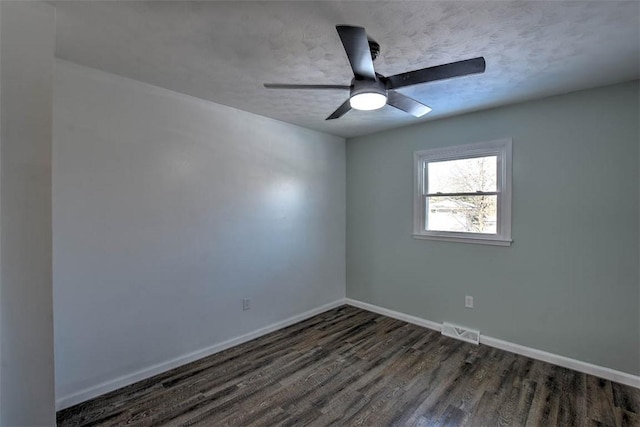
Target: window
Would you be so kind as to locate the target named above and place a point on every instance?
(463, 193)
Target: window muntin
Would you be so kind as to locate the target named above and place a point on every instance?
(463, 193)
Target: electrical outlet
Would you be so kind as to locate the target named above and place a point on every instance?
(246, 304)
(468, 301)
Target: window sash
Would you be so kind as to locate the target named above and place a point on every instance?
(425, 169)
(449, 159)
(425, 216)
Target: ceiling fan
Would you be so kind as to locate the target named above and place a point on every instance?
(370, 90)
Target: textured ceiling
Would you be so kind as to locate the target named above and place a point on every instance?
(224, 51)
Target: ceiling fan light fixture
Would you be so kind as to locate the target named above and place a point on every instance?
(368, 101)
(368, 95)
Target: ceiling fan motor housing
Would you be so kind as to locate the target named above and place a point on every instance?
(368, 86)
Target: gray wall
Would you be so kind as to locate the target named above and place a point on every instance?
(168, 211)
(26, 58)
(569, 283)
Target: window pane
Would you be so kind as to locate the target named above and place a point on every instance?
(470, 214)
(463, 175)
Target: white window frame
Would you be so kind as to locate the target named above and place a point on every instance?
(501, 148)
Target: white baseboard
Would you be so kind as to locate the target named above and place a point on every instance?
(556, 359)
(395, 314)
(565, 362)
(107, 386)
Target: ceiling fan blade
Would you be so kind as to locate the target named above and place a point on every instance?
(294, 86)
(356, 44)
(439, 72)
(341, 111)
(406, 104)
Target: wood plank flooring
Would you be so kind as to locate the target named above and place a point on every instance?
(350, 367)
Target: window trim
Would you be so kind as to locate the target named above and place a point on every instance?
(502, 148)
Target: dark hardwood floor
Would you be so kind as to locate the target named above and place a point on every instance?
(350, 367)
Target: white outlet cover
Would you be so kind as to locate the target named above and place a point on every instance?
(468, 301)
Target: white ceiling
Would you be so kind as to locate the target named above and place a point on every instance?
(224, 51)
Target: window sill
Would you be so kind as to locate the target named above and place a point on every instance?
(474, 240)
